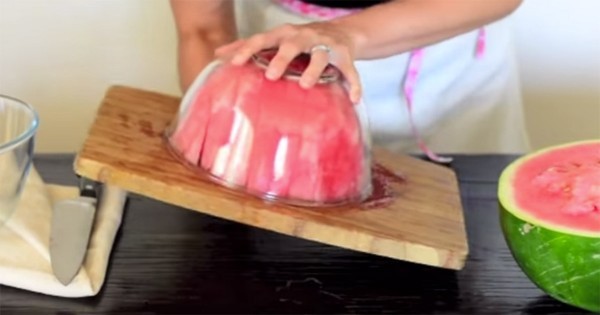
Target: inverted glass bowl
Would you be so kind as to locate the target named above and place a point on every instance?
(18, 126)
(275, 139)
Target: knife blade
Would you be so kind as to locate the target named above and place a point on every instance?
(72, 222)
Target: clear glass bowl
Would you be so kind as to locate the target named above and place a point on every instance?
(275, 139)
(18, 126)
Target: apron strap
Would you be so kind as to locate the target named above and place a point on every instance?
(410, 83)
(414, 63)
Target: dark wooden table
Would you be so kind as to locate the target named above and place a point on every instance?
(169, 260)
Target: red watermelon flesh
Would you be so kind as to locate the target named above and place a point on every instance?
(276, 150)
(216, 149)
(319, 125)
(275, 137)
(286, 159)
(567, 182)
(189, 134)
(235, 164)
(217, 144)
(188, 137)
(342, 162)
(261, 174)
(331, 155)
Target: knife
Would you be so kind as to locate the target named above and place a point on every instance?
(72, 222)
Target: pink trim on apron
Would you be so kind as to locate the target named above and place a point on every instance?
(414, 63)
(312, 10)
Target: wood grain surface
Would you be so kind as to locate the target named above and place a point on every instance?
(423, 224)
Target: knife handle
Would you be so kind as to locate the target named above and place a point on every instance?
(88, 187)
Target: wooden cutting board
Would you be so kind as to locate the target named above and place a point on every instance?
(420, 221)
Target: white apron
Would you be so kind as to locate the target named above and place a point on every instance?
(461, 104)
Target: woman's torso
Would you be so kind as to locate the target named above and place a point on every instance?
(461, 103)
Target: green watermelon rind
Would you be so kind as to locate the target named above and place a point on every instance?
(506, 198)
(566, 267)
(561, 261)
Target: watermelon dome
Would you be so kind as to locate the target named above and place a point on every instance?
(272, 138)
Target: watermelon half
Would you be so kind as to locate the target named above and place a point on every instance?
(274, 139)
(550, 216)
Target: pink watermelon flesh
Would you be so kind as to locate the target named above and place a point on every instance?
(274, 137)
(190, 131)
(217, 144)
(243, 132)
(566, 187)
(331, 155)
(262, 159)
(277, 154)
(188, 137)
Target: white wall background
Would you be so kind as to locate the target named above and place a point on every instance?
(61, 55)
(558, 42)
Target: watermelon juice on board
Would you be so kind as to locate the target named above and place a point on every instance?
(550, 216)
(275, 139)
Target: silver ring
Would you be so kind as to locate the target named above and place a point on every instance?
(320, 47)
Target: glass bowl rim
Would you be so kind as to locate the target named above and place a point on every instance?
(28, 133)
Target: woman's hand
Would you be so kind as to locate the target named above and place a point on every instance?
(293, 40)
